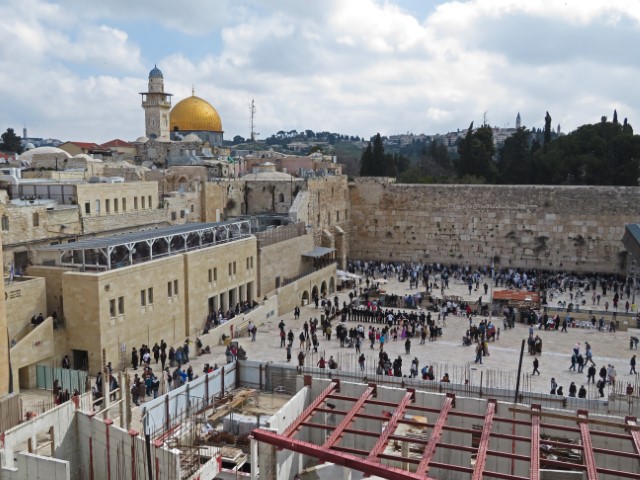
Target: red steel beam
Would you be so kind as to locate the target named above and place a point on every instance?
(635, 434)
(309, 411)
(481, 458)
(534, 466)
(349, 417)
(436, 434)
(344, 459)
(589, 457)
(391, 427)
(618, 473)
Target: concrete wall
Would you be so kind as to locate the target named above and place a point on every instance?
(105, 452)
(59, 420)
(34, 466)
(284, 464)
(25, 297)
(572, 228)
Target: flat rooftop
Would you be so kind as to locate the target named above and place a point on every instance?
(127, 249)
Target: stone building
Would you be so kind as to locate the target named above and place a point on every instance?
(186, 134)
(142, 287)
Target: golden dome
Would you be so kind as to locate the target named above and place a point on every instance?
(194, 114)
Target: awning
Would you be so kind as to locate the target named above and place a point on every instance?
(318, 252)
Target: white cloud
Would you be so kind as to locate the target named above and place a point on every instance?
(355, 67)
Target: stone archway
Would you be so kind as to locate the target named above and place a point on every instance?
(332, 285)
(314, 292)
(323, 288)
(305, 298)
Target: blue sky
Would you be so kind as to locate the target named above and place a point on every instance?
(72, 70)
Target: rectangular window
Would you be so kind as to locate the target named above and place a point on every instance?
(174, 216)
(120, 305)
(192, 208)
(97, 207)
(230, 269)
(135, 203)
(36, 219)
(251, 262)
(5, 223)
(107, 206)
(142, 203)
(329, 218)
(175, 287)
(150, 202)
(169, 289)
(87, 208)
(150, 296)
(247, 263)
(234, 268)
(215, 274)
(143, 298)
(182, 214)
(210, 275)
(124, 204)
(115, 205)
(337, 215)
(112, 307)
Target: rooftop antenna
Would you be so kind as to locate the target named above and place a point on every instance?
(254, 134)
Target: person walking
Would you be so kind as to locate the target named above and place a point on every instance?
(479, 353)
(536, 364)
(591, 374)
(632, 362)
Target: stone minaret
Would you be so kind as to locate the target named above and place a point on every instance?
(518, 121)
(156, 104)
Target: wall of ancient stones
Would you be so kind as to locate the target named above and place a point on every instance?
(568, 228)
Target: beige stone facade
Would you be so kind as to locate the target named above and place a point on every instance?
(4, 344)
(25, 297)
(565, 228)
(168, 299)
(280, 257)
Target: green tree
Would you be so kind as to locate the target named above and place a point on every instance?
(547, 130)
(366, 162)
(11, 142)
(605, 153)
(476, 152)
(378, 158)
(515, 162)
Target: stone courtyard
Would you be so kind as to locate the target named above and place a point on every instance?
(448, 354)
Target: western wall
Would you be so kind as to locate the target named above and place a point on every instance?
(554, 227)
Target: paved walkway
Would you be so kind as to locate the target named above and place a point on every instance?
(499, 367)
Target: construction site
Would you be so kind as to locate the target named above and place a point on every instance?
(257, 420)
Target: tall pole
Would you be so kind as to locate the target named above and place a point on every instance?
(515, 399)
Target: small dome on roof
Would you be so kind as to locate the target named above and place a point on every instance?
(141, 140)
(28, 155)
(155, 73)
(29, 146)
(192, 137)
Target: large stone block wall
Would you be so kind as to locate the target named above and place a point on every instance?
(569, 228)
